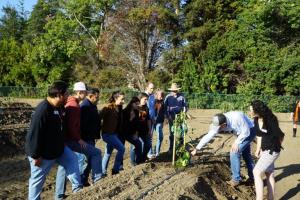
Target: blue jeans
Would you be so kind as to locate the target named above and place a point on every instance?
(160, 137)
(146, 146)
(150, 152)
(112, 142)
(38, 174)
(90, 152)
(86, 163)
(245, 151)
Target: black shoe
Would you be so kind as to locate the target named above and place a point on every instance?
(249, 182)
(114, 172)
(86, 184)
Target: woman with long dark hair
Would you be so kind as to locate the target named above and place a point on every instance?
(130, 124)
(269, 138)
(111, 128)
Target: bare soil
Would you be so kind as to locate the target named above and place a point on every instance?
(204, 178)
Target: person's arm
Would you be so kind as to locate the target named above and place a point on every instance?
(206, 139)
(258, 146)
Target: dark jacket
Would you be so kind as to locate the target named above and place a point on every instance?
(111, 119)
(90, 123)
(144, 118)
(45, 136)
(130, 123)
(159, 111)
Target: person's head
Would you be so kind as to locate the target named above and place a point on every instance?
(117, 98)
(93, 95)
(174, 89)
(159, 94)
(58, 92)
(258, 108)
(133, 104)
(150, 88)
(143, 97)
(80, 90)
(219, 121)
(261, 110)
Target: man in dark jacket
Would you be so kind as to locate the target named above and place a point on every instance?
(90, 126)
(45, 141)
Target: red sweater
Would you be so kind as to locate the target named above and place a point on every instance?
(72, 119)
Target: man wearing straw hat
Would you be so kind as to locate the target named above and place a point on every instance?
(174, 104)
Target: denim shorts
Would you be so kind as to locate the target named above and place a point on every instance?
(266, 161)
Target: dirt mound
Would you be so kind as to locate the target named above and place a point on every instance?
(159, 180)
(14, 120)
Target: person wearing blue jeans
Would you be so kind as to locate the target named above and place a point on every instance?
(151, 108)
(112, 142)
(74, 140)
(144, 125)
(90, 126)
(44, 144)
(88, 151)
(38, 174)
(130, 125)
(112, 117)
(245, 152)
(239, 124)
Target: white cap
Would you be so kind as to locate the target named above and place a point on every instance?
(217, 121)
(79, 86)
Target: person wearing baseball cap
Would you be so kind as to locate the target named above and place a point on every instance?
(74, 141)
(239, 124)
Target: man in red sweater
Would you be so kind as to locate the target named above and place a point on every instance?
(74, 142)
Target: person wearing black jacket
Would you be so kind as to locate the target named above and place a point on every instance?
(45, 141)
(269, 139)
(130, 123)
(90, 125)
(144, 125)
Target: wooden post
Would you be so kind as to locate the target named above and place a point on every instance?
(174, 140)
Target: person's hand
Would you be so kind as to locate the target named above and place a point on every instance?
(82, 143)
(234, 148)
(257, 153)
(194, 152)
(38, 162)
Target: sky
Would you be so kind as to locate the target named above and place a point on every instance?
(28, 4)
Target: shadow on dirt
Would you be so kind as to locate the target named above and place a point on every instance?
(289, 170)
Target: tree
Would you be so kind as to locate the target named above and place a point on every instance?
(11, 24)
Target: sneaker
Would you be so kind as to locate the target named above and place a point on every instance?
(233, 183)
(150, 156)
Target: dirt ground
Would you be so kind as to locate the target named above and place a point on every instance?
(157, 179)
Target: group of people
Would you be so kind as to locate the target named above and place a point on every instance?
(65, 127)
